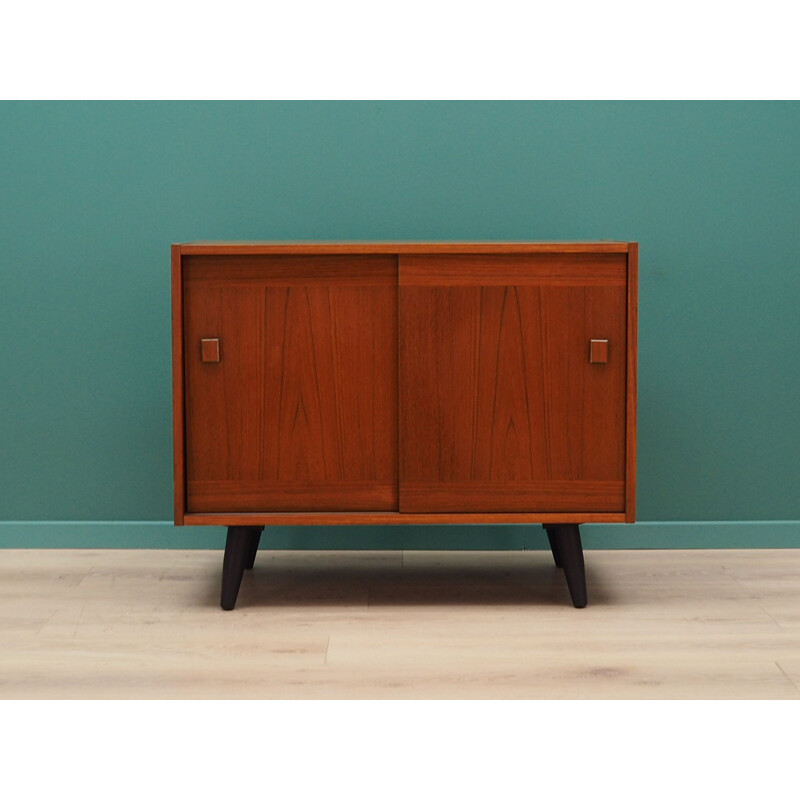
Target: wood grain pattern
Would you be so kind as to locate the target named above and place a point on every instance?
(301, 412)
(310, 495)
(514, 269)
(291, 270)
(178, 444)
(496, 388)
(630, 401)
(554, 495)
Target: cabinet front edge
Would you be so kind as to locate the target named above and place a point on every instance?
(394, 518)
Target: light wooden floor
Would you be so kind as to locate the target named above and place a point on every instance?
(146, 624)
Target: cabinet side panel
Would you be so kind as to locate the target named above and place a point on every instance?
(632, 323)
(178, 453)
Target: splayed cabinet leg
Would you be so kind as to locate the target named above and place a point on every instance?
(255, 539)
(239, 549)
(565, 544)
(570, 553)
(552, 537)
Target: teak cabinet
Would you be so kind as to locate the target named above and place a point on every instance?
(372, 383)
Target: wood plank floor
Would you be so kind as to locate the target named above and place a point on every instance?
(146, 624)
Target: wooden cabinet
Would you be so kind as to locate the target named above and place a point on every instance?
(404, 383)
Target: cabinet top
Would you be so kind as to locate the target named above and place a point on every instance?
(389, 248)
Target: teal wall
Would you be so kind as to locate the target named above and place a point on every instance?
(92, 195)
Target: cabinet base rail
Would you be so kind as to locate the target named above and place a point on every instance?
(242, 543)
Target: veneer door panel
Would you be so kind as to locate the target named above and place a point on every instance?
(501, 408)
(300, 411)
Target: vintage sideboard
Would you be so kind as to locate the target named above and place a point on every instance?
(378, 383)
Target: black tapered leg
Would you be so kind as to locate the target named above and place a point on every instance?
(255, 539)
(552, 537)
(570, 551)
(237, 552)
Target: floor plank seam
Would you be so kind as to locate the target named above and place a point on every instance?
(788, 678)
(732, 577)
(773, 619)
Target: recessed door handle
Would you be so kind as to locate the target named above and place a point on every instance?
(209, 350)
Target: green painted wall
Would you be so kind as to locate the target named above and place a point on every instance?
(92, 195)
